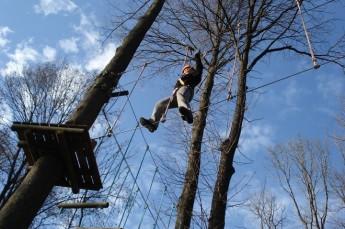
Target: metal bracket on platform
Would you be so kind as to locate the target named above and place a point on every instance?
(119, 93)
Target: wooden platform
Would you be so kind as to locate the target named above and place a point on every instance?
(71, 142)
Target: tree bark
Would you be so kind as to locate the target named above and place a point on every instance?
(24, 204)
(226, 170)
(100, 92)
(228, 149)
(187, 198)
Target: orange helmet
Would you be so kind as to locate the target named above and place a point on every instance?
(186, 67)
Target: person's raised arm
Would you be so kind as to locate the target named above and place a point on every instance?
(199, 67)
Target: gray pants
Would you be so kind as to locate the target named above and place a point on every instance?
(181, 99)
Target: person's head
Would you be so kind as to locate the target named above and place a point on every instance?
(187, 69)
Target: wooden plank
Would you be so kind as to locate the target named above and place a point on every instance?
(92, 161)
(80, 156)
(66, 154)
(49, 128)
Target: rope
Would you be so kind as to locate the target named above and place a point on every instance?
(147, 196)
(160, 206)
(314, 60)
(109, 132)
(121, 187)
(151, 153)
(170, 215)
(146, 142)
(125, 153)
(130, 209)
(136, 178)
(130, 93)
(135, 181)
(234, 67)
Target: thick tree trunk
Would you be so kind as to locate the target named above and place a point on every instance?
(229, 145)
(99, 93)
(24, 204)
(228, 148)
(186, 201)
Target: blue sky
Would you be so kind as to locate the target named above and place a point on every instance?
(34, 31)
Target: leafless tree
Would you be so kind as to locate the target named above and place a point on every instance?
(265, 206)
(303, 169)
(42, 93)
(11, 165)
(339, 180)
(269, 27)
(338, 170)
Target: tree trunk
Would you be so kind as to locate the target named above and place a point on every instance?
(24, 204)
(186, 201)
(228, 148)
(99, 93)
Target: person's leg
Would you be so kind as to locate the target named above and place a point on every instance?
(158, 110)
(184, 95)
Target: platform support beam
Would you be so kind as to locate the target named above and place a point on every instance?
(119, 93)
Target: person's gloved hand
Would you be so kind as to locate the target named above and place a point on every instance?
(197, 55)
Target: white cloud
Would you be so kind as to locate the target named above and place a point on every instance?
(69, 45)
(290, 93)
(49, 53)
(89, 34)
(47, 7)
(256, 137)
(19, 58)
(102, 58)
(330, 86)
(3, 33)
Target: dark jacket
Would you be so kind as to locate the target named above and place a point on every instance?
(194, 78)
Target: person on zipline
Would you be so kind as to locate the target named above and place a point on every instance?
(182, 95)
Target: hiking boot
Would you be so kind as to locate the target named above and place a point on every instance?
(186, 114)
(148, 124)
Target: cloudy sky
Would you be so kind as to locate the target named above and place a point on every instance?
(46, 30)
(34, 31)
